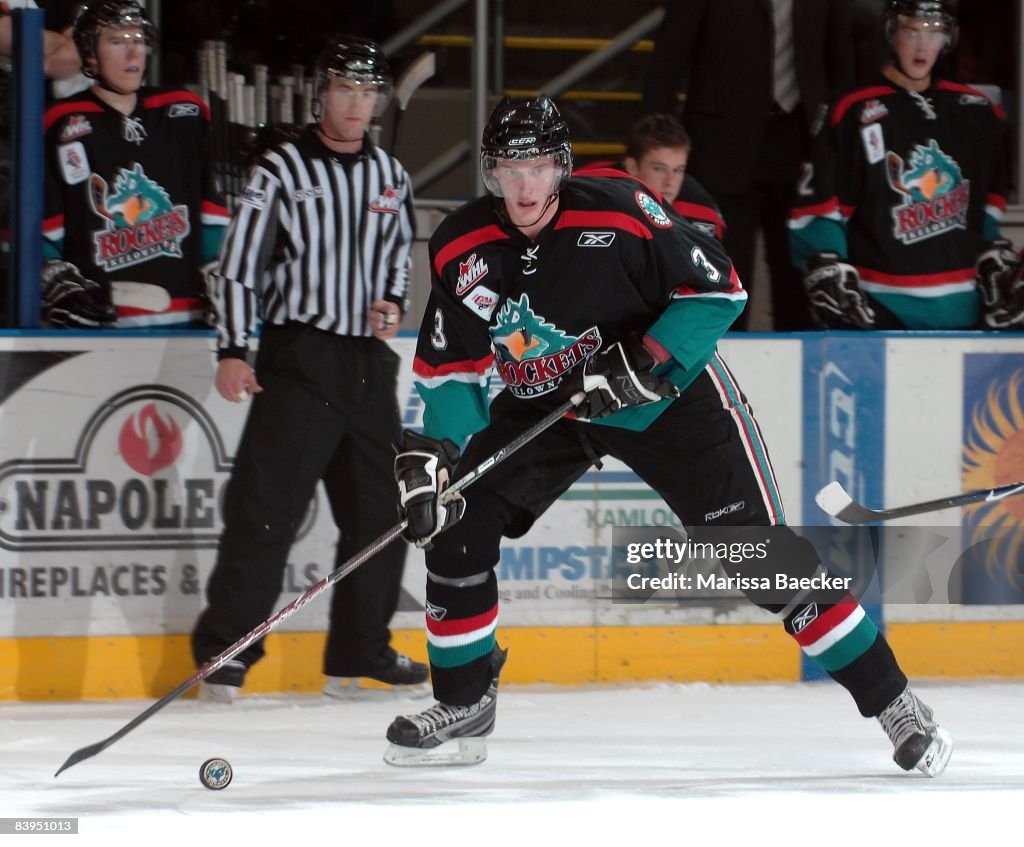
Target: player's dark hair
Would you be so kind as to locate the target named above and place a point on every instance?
(105, 13)
(654, 131)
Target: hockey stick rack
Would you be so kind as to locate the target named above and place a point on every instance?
(340, 573)
(835, 501)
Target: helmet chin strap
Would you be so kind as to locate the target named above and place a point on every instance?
(503, 213)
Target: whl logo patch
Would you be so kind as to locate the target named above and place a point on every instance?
(935, 195)
(533, 355)
(142, 223)
(470, 273)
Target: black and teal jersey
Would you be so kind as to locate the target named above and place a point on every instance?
(613, 261)
(907, 187)
(132, 198)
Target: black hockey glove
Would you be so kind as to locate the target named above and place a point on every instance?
(423, 470)
(620, 377)
(1000, 285)
(834, 295)
(72, 301)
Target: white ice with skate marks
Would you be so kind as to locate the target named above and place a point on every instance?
(756, 764)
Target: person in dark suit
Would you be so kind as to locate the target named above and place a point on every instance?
(748, 147)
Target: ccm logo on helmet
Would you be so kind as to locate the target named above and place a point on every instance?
(519, 142)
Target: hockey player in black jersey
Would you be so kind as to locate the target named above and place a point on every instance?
(657, 151)
(131, 207)
(591, 285)
(898, 223)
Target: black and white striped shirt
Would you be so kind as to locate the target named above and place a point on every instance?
(317, 237)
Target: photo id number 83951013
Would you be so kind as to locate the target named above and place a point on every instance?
(53, 826)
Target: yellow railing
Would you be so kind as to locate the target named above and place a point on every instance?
(518, 42)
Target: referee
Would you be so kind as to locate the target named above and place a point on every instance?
(319, 249)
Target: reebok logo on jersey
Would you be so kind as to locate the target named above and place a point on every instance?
(808, 615)
(183, 110)
(74, 162)
(725, 510)
(652, 210)
(482, 301)
(76, 127)
(595, 239)
(254, 197)
(470, 273)
(389, 202)
(974, 100)
(305, 194)
(873, 111)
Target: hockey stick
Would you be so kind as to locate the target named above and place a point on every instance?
(422, 69)
(834, 500)
(340, 573)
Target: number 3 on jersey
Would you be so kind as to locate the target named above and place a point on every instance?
(700, 261)
(437, 337)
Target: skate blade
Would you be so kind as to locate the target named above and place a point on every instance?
(470, 751)
(353, 691)
(936, 757)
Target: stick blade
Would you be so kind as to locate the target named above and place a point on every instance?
(81, 755)
(834, 500)
(422, 69)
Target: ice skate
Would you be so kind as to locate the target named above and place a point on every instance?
(223, 685)
(404, 677)
(919, 742)
(414, 738)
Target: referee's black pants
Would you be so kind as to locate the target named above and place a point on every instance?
(328, 412)
(704, 455)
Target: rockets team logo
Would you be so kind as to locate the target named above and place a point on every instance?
(935, 196)
(533, 355)
(142, 223)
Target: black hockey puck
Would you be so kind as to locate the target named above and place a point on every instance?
(216, 774)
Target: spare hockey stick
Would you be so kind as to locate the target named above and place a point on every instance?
(422, 69)
(340, 573)
(834, 500)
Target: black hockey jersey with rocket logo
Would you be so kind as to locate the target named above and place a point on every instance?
(613, 261)
(133, 198)
(908, 186)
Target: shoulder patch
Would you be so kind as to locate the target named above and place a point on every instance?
(652, 210)
(74, 162)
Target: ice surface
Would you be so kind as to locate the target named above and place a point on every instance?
(759, 764)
